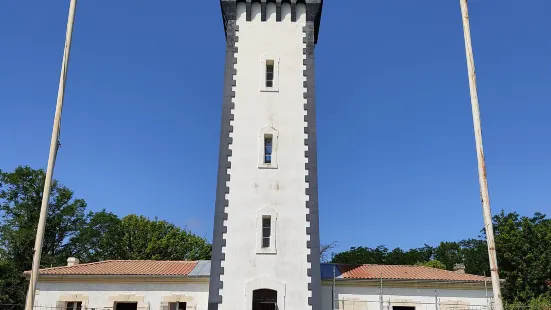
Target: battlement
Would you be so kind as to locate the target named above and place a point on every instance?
(313, 10)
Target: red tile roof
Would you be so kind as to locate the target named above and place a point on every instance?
(401, 272)
(184, 268)
(125, 267)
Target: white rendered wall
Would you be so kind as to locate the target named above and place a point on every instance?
(364, 298)
(354, 297)
(99, 294)
(253, 188)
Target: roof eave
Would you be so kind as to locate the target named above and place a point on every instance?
(376, 282)
(118, 275)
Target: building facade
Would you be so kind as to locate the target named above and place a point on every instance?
(177, 285)
(266, 232)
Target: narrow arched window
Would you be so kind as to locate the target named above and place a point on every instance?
(269, 73)
(268, 144)
(269, 80)
(267, 147)
(266, 232)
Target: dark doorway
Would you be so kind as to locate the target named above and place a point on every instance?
(73, 305)
(177, 306)
(402, 308)
(264, 299)
(126, 306)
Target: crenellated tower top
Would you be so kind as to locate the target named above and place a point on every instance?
(313, 10)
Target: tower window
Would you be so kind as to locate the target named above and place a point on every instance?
(267, 149)
(268, 144)
(269, 73)
(266, 234)
(266, 231)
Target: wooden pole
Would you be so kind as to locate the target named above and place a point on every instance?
(480, 156)
(381, 304)
(51, 160)
(334, 292)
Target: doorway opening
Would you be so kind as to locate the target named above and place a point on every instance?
(177, 306)
(126, 306)
(402, 308)
(264, 299)
(73, 305)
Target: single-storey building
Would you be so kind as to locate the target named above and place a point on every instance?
(182, 285)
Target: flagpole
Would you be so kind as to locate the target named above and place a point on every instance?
(54, 144)
(480, 156)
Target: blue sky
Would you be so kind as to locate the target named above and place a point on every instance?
(397, 162)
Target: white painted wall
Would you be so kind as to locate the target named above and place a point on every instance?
(350, 297)
(49, 293)
(363, 298)
(253, 188)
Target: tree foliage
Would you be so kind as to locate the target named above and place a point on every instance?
(524, 254)
(10, 283)
(70, 231)
(474, 254)
(145, 239)
(98, 238)
(382, 255)
(432, 264)
(20, 201)
(542, 302)
(105, 236)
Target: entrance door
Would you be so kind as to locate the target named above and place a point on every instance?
(264, 299)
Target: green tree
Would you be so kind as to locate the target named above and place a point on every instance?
(20, 201)
(542, 302)
(475, 256)
(423, 254)
(142, 238)
(381, 255)
(105, 236)
(449, 253)
(362, 255)
(10, 283)
(97, 239)
(524, 254)
(432, 264)
(396, 257)
(72, 232)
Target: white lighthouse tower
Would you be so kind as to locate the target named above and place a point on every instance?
(265, 252)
